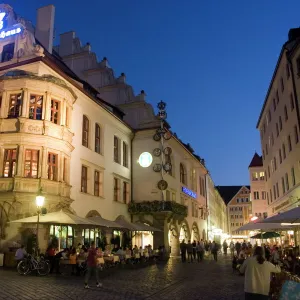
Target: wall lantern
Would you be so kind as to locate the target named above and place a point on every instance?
(145, 159)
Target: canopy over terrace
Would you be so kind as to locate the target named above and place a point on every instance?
(106, 223)
(59, 217)
(135, 226)
(290, 217)
(263, 226)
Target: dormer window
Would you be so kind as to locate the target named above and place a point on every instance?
(8, 52)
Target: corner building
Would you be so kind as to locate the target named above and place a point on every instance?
(278, 124)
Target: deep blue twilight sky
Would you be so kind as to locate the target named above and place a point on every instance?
(211, 61)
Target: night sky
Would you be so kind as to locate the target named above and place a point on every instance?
(211, 61)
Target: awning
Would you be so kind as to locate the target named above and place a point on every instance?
(59, 217)
(135, 226)
(262, 226)
(291, 216)
(105, 223)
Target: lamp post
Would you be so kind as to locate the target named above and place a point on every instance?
(39, 200)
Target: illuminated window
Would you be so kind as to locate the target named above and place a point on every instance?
(85, 131)
(31, 163)
(254, 176)
(55, 112)
(15, 102)
(84, 179)
(35, 107)
(262, 175)
(256, 195)
(52, 166)
(10, 158)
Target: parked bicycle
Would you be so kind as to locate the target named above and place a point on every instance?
(28, 264)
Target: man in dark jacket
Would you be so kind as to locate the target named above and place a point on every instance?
(189, 248)
(183, 251)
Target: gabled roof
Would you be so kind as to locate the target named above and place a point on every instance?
(256, 161)
(227, 192)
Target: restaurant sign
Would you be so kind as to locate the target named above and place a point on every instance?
(8, 32)
(189, 192)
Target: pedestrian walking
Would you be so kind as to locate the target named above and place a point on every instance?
(183, 251)
(257, 275)
(214, 250)
(200, 250)
(194, 249)
(231, 246)
(225, 246)
(189, 247)
(238, 247)
(92, 266)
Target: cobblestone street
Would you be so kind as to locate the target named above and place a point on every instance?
(174, 280)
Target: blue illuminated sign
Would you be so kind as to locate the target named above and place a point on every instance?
(6, 33)
(10, 32)
(189, 192)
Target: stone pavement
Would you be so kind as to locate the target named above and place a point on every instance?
(173, 280)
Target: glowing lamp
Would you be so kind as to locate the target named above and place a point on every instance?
(254, 218)
(145, 159)
(39, 200)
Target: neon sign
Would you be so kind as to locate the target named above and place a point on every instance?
(6, 33)
(189, 192)
(2, 15)
(10, 32)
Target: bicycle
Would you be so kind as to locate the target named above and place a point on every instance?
(28, 264)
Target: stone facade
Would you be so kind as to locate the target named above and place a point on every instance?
(279, 130)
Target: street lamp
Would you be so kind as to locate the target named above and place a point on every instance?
(39, 200)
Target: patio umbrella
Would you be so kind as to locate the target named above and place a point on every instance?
(105, 223)
(145, 227)
(257, 225)
(265, 235)
(59, 217)
(291, 216)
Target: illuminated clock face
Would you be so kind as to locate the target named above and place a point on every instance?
(145, 159)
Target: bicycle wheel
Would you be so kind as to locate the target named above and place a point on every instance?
(43, 268)
(23, 267)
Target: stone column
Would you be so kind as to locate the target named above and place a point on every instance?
(43, 170)
(63, 112)
(4, 106)
(25, 104)
(47, 107)
(20, 161)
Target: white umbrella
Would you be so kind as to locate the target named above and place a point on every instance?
(145, 227)
(59, 217)
(105, 223)
(262, 226)
(290, 217)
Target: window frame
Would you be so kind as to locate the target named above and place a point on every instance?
(12, 162)
(54, 110)
(116, 189)
(116, 149)
(31, 162)
(125, 154)
(84, 179)
(52, 172)
(36, 106)
(183, 174)
(17, 107)
(85, 131)
(126, 191)
(97, 138)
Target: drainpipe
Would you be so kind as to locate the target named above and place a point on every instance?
(294, 89)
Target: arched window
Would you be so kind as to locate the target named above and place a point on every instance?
(182, 174)
(85, 131)
(97, 138)
(168, 159)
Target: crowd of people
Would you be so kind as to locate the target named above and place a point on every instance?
(195, 251)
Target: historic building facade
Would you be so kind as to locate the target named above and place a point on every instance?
(239, 208)
(258, 187)
(279, 130)
(77, 134)
(57, 137)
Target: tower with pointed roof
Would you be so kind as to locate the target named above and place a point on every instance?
(258, 187)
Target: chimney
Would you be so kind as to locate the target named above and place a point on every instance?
(44, 31)
(294, 33)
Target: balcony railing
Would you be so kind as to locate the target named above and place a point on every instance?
(151, 207)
